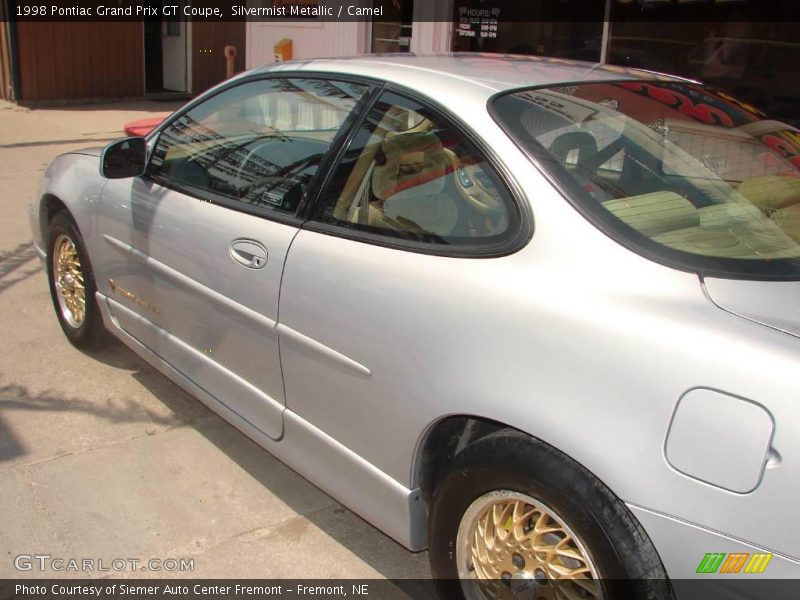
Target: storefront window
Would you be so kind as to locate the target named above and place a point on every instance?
(561, 28)
(391, 32)
(747, 48)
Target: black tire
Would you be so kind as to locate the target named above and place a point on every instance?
(89, 332)
(626, 561)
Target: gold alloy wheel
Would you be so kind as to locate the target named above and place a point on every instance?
(68, 279)
(522, 549)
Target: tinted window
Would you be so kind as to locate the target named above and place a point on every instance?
(410, 174)
(677, 169)
(258, 144)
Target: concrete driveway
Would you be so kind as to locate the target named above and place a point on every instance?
(103, 458)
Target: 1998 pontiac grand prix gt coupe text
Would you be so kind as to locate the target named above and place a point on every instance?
(538, 316)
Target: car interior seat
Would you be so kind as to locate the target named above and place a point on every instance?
(411, 187)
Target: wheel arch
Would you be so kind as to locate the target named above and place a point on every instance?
(441, 442)
(445, 438)
(72, 184)
(49, 206)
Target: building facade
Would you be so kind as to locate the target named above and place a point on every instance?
(42, 62)
(748, 47)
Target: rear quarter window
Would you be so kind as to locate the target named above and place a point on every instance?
(680, 172)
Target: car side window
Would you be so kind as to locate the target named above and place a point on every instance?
(410, 174)
(258, 144)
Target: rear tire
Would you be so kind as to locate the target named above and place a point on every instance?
(72, 284)
(514, 512)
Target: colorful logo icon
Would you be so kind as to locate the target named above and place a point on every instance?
(737, 562)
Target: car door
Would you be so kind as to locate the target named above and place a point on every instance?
(382, 287)
(195, 249)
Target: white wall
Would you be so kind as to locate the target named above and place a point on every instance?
(431, 36)
(432, 33)
(433, 26)
(309, 40)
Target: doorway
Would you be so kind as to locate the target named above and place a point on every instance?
(166, 42)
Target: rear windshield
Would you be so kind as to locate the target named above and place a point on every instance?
(684, 174)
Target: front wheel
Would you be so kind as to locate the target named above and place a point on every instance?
(72, 285)
(515, 518)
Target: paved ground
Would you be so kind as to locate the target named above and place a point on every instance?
(101, 457)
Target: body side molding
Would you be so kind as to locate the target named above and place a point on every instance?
(322, 349)
(190, 283)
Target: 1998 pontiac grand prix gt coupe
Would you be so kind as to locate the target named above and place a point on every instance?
(535, 315)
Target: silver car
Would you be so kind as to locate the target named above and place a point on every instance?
(537, 316)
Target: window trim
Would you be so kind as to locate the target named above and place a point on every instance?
(520, 229)
(310, 201)
(634, 242)
(297, 218)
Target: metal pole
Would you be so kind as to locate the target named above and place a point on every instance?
(230, 58)
(15, 93)
(604, 42)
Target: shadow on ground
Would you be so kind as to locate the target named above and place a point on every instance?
(17, 397)
(18, 264)
(365, 542)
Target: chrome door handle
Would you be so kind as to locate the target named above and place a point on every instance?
(248, 253)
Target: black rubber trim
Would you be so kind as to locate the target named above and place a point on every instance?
(376, 239)
(335, 153)
(204, 195)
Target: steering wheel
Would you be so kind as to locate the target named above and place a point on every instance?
(481, 195)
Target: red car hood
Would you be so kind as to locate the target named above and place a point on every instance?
(143, 126)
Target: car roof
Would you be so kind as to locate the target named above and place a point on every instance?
(468, 71)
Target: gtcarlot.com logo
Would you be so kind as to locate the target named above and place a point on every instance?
(46, 562)
(737, 562)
